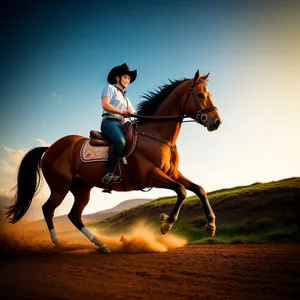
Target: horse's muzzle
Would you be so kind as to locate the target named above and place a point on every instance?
(211, 126)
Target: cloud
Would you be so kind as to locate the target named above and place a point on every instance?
(56, 95)
(9, 165)
(13, 156)
(42, 143)
(7, 168)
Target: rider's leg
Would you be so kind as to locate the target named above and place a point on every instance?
(112, 129)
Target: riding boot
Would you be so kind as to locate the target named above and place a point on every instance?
(113, 159)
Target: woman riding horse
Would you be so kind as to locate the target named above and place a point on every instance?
(154, 161)
(116, 107)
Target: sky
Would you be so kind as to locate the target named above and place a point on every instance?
(55, 57)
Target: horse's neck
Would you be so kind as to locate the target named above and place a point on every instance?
(167, 130)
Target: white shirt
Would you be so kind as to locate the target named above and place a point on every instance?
(117, 99)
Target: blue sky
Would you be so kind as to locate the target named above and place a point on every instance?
(56, 56)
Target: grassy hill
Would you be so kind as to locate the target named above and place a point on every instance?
(63, 224)
(127, 204)
(260, 212)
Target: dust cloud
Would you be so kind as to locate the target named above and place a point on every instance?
(26, 239)
(143, 238)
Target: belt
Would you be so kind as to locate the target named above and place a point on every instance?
(111, 118)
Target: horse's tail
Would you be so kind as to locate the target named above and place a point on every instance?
(28, 184)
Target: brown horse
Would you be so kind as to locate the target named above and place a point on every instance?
(154, 162)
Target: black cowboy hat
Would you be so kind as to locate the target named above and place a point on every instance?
(120, 70)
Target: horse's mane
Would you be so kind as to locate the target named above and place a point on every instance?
(154, 99)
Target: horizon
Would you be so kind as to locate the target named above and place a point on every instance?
(56, 58)
(34, 219)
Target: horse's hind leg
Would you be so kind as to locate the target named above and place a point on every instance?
(161, 180)
(81, 192)
(58, 193)
(210, 227)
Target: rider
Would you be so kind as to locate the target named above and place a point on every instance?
(116, 106)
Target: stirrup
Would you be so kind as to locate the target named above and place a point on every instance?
(111, 178)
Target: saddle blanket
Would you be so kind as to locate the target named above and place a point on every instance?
(90, 153)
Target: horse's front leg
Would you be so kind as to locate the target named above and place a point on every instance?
(161, 180)
(210, 227)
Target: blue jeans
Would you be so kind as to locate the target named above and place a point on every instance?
(112, 129)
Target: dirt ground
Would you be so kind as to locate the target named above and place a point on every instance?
(190, 272)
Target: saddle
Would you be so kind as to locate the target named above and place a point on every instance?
(97, 139)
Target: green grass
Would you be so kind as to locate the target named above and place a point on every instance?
(261, 230)
(252, 231)
(216, 197)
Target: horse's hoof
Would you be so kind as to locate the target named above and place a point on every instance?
(165, 228)
(163, 217)
(104, 249)
(56, 243)
(210, 230)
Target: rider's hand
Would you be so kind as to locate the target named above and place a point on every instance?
(125, 113)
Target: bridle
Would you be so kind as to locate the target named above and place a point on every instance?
(201, 116)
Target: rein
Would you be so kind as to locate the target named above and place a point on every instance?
(162, 118)
(172, 148)
(158, 119)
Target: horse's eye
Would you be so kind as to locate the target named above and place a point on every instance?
(201, 95)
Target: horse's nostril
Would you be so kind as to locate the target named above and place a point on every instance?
(217, 122)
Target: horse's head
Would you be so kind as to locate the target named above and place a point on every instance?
(198, 103)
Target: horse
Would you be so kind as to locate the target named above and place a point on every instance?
(153, 161)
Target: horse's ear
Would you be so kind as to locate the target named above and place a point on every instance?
(197, 76)
(205, 77)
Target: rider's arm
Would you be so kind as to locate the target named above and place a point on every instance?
(110, 108)
(131, 110)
